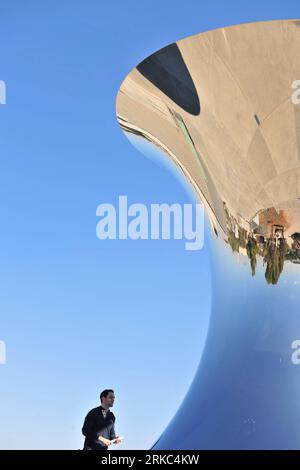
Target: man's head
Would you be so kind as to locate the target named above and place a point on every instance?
(107, 398)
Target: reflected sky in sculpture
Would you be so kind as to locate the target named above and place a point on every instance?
(245, 394)
(241, 155)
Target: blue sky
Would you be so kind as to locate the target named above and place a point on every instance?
(78, 314)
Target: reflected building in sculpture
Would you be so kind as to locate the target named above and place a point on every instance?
(221, 106)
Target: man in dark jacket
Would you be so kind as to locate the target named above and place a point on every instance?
(99, 424)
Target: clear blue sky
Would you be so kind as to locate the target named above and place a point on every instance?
(78, 314)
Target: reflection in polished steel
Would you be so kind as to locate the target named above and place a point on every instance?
(236, 140)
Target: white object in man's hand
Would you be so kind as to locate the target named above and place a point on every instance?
(117, 440)
(105, 441)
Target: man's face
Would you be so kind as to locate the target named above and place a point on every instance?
(109, 399)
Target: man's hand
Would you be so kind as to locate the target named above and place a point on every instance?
(105, 441)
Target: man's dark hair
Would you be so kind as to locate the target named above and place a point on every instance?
(105, 392)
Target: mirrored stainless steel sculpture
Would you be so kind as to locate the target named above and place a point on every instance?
(223, 105)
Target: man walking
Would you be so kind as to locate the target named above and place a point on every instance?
(99, 424)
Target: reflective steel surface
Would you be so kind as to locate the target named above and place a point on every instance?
(223, 105)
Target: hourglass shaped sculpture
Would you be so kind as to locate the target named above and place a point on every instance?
(224, 107)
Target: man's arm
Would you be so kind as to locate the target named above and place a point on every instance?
(113, 437)
(112, 431)
(87, 429)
